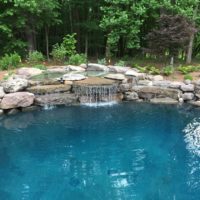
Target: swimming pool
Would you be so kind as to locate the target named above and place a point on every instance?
(125, 151)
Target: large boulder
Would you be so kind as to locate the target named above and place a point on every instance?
(187, 96)
(47, 89)
(16, 100)
(118, 69)
(73, 77)
(145, 82)
(28, 72)
(163, 83)
(135, 74)
(57, 70)
(176, 84)
(15, 85)
(166, 100)
(148, 92)
(187, 88)
(2, 93)
(75, 68)
(131, 96)
(157, 78)
(56, 99)
(97, 67)
(119, 77)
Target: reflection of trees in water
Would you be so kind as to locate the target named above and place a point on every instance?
(192, 139)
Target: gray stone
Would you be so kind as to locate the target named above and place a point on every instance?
(1, 112)
(2, 93)
(147, 92)
(118, 69)
(46, 89)
(166, 100)
(97, 67)
(30, 108)
(165, 84)
(197, 95)
(56, 99)
(157, 78)
(125, 87)
(57, 70)
(187, 96)
(119, 77)
(131, 96)
(83, 65)
(18, 99)
(15, 85)
(74, 68)
(175, 84)
(195, 103)
(12, 111)
(187, 88)
(145, 82)
(28, 72)
(187, 82)
(73, 77)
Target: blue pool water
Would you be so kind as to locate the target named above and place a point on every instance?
(122, 152)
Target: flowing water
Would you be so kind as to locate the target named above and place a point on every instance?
(127, 151)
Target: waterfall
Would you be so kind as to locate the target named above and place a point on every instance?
(94, 94)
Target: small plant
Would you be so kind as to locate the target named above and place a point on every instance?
(35, 57)
(120, 63)
(141, 69)
(168, 70)
(153, 70)
(10, 61)
(188, 77)
(41, 67)
(77, 59)
(188, 69)
(101, 61)
(58, 53)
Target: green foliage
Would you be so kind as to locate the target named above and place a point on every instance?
(35, 57)
(153, 70)
(69, 44)
(120, 63)
(101, 61)
(168, 70)
(188, 69)
(10, 61)
(41, 67)
(188, 77)
(8, 75)
(58, 53)
(140, 68)
(77, 59)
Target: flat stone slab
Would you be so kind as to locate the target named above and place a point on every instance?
(97, 67)
(119, 77)
(118, 69)
(29, 71)
(164, 101)
(73, 77)
(95, 81)
(46, 89)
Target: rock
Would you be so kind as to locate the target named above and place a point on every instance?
(56, 99)
(119, 77)
(197, 95)
(2, 93)
(157, 78)
(147, 92)
(195, 103)
(97, 67)
(133, 73)
(118, 69)
(15, 85)
(47, 89)
(163, 83)
(73, 77)
(181, 100)
(57, 70)
(187, 82)
(15, 100)
(187, 88)
(145, 82)
(175, 84)
(1, 112)
(43, 82)
(125, 87)
(166, 100)
(83, 65)
(74, 68)
(131, 96)
(188, 96)
(68, 83)
(28, 72)
(12, 111)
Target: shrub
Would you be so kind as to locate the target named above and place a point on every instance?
(188, 77)
(120, 63)
(58, 53)
(10, 61)
(41, 67)
(153, 70)
(141, 69)
(188, 69)
(35, 57)
(8, 75)
(101, 61)
(168, 70)
(77, 59)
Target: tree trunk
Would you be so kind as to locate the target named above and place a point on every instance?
(190, 48)
(108, 54)
(30, 39)
(47, 41)
(86, 45)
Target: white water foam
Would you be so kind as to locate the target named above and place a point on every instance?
(100, 104)
(192, 137)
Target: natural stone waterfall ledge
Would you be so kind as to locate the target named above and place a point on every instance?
(21, 94)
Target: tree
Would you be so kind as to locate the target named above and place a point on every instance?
(172, 35)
